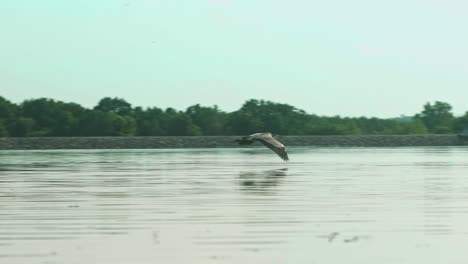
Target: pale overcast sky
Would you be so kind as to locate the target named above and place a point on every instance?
(336, 57)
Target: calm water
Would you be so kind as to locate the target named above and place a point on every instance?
(327, 205)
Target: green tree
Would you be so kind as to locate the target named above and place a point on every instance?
(149, 121)
(116, 117)
(461, 123)
(406, 128)
(334, 126)
(181, 125)
(9, 114)
(243, 123)
(51, 118)
(437, 117)
(3, 130)
(123, 125)
(372, 126)
(97, 123)
(260, 115)
(114, 105)
(209, 119)
(23, 127)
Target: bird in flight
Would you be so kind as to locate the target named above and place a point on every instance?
(268, 140)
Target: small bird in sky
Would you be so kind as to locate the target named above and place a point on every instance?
(268, 140)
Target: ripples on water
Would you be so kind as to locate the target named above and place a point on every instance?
(327, 205)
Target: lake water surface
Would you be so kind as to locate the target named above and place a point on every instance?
(327, 205)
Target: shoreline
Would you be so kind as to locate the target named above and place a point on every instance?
(26, 143)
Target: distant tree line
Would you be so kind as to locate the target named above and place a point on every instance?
(116, 117)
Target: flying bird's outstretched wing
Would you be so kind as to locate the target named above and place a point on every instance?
(268, 140)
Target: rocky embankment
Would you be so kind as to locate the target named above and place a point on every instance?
(225, 141)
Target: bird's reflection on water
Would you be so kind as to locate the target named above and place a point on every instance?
(258, 180)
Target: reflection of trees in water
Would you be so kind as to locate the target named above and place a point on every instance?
(261, 180)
